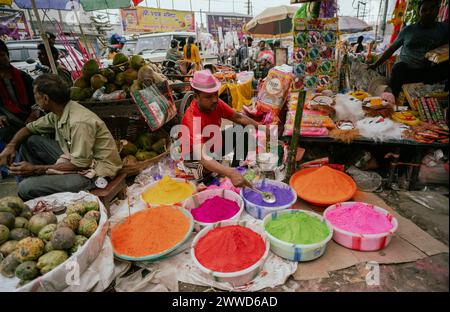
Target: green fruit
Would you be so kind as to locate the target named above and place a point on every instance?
(27, 271)
(110, 88)
(71, 221)
(4, 233)
(26, 213)
(90, 68)
(128, 149)
(130, 76)
(8, 265)
(8, 247)
(137, 61)
(87, 227)
(47, 231)
(13, 202)
(93, 215)
(81, 83)
(159, 147)
(51, 260)
(144, 155)
(76, 94)
(29, 248)
(7, 209)
(91, 206)
(108, 73)
(63, 238)
(19, 234)
(144, 141)
(38, 221)
(98, 81)
(79, 241)
(20, 222)
(120, 79)
(48, 247)
(120, 58)
(7, 219)
(77, 208)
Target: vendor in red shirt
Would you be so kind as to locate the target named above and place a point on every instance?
(208, 110)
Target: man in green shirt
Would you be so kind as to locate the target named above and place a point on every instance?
(82, 150)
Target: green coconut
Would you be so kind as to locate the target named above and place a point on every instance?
(137, 61)
(120, 58)
(108, 73)
(98, 81)
(90, 68)
(81, 83)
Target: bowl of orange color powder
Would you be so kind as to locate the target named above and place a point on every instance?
(231, 251)
(167, 191)
(151, 233)
(211, 206)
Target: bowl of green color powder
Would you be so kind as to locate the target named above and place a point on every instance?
(297, 235)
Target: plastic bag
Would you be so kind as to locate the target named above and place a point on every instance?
(366, 181)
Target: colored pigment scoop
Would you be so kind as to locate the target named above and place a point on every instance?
(283, 195)
(229, 248)
(298, 228)
(268, 197)
(150, 231)
(359, 218)
(215, 209)
(168, 191)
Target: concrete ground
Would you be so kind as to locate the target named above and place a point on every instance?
(429, 274)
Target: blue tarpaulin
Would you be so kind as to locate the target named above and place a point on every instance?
(49, 4)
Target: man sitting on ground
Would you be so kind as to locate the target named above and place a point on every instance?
(83, 147)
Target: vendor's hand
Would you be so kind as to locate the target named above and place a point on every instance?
(238, 180)
(22, 168)
(3, 121)
(7, 155)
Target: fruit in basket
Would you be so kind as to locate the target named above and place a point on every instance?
(4, 233)
(87, 227)
(137, 61)
(93, 214)
(91, 205)
(20, 222)
(108, 73)
(160, 146)
(98, 81)
(26, 213)
(144, 155)
(81, 83)
(51, 260)
(13, 202)
(38, 221)
(131, 75)
(8, 247)
(90, 68)
(29, 248)
(129, 160)
(48, 247)
(7, 219)
(19, 234)
(77, 207)
(71, 221)
(110, 88)
(46, 232)
(120, 79)
(63, 238)
(76, 94)
(27, 271)
(120, 58)
(79, 241)
(128, 149)
(144, 141)
(8, 265)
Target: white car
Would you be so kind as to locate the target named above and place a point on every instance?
(24, 56)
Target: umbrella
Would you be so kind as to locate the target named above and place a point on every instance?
(88, 5)
(350, 24)
(274, 21)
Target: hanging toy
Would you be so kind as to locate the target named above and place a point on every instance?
(397, 18)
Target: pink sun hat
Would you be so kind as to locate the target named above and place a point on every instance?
(204, 81)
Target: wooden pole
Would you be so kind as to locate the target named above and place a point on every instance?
(44, 38)
(295, 136)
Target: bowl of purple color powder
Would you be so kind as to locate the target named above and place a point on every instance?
(255, 205)
(212, 206)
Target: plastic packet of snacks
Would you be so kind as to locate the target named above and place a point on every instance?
(273, 93)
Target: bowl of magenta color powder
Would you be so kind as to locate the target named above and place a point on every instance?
(212, 206)
(297, 235)
(231, 251)
(254, 204)
(361, 226)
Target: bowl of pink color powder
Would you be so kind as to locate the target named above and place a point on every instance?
(214, 205)
(360, 226)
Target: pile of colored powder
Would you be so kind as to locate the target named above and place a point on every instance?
(283, 195)
(229, 248)
(298, 228)
(359, 218)
(168, 191)
(215, 209)
(150, 231)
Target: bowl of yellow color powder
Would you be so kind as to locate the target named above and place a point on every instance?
(167, 191)
(297, 235)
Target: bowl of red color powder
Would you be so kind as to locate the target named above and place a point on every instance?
(361, 226)
(231, 251)
(212, 206)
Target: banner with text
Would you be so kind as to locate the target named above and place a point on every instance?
(13, 25)
(227, 23)
(143, 19)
